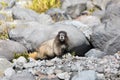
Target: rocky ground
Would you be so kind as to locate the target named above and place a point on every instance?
(67, 68)
(92, 27)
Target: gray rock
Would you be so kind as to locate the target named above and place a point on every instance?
(8, 48)
(19, 63)
(4, 64)
(112, 46)
(101, 3)
(58, 14)
(74, 8)
(30, 15)
(11, 3)
(95, 53)
(4, 78)
(9, 72)
(85, 75)
(64, 75)
(22, 76)
(7, 14)
(24, 14)
(2, 17)
(91, 21)
(32, 36)
(104, 34)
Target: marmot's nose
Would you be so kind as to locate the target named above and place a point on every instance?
(62, 38)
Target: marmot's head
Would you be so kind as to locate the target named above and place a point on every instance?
(62, 36)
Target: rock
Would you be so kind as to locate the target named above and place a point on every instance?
(101, 77)
(7, 14)
(30, 15)
(105, 33)
(74, 8)
(23, 3)
(11, 3)
(8, 48)
(95, 53)
(2, 17)
(21, 59)
(22, 76)
(29, 65)
(4, 78)
(101, 3)
(24, 14)
(64, 76)
(28, 36)
(112, 46)
(19, 63)
(45, 19)
(9, 72)
(58, 14)
(85, 75)
(91, 21)
(4, 64)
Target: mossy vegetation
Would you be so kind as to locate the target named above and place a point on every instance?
(43, 5)
(3, 4)
(25, 54)
(73, 53)
(4, 34)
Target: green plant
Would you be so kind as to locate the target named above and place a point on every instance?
(73, 53)
(43, 5)
(4, 34)
(3, 4)
(25, 54)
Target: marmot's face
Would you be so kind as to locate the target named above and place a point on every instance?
(62, 36)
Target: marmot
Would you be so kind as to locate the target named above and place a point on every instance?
(54, 47)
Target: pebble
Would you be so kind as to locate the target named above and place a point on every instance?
(64, 75)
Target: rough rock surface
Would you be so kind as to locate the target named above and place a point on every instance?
(108, 32)
(4, 64)
(69, 67)
(95, 53)
(29, 36)
(8, 48)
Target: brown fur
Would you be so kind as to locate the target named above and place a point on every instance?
(53, 47)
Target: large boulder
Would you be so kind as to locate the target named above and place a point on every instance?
(112, 46)
(32, 36)
(8, 48)
(30, 15)
(74, 8)
(104, 37)
(89, 20)
(58, 14)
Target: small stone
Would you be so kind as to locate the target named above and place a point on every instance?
(64, 75)
(22, 59)
(49, 63)
(29, 65)
(101, 77)
(58, 71)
